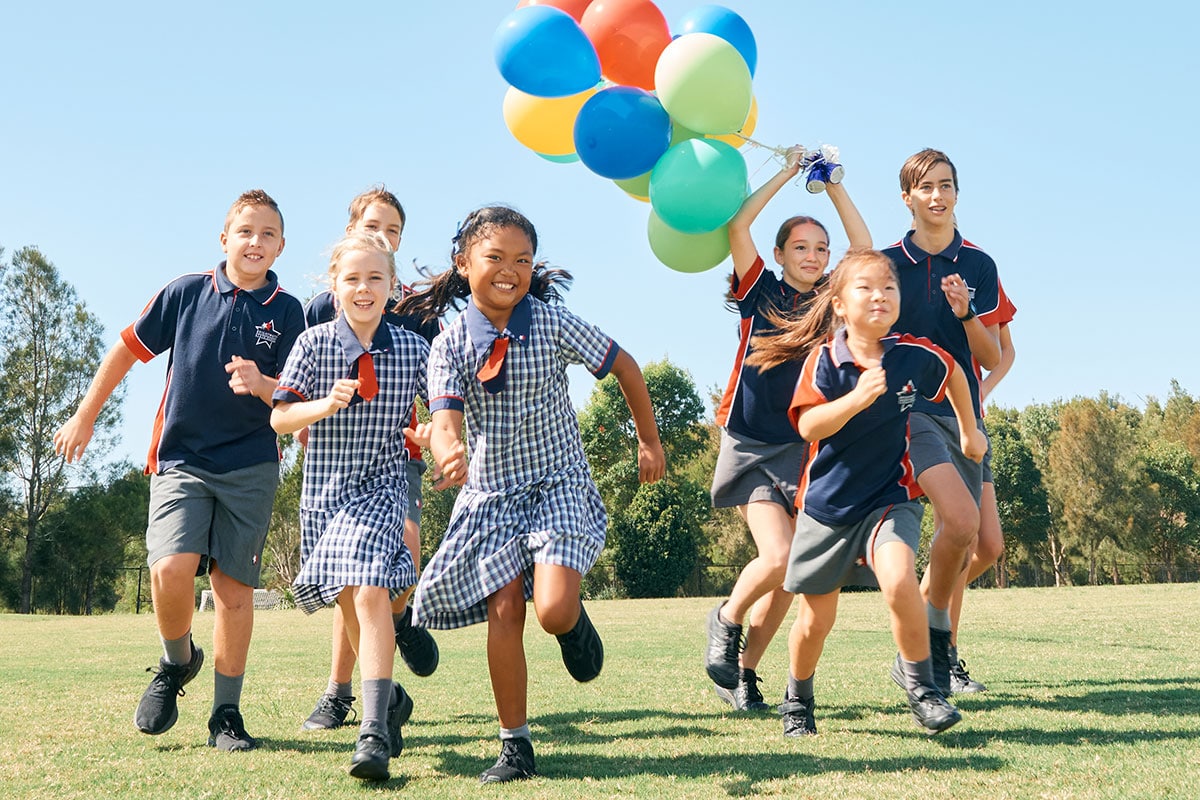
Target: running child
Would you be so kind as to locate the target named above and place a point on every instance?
(529, 521)
(352, 383)
(761, 454)
(858, 521)
(213, 461)
(378, 211)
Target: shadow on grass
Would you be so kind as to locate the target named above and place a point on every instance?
(1163, 697)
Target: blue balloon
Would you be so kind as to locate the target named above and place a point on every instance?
(542, 51)
(621, 132)
(720, 21)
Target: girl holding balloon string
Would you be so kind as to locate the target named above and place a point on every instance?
(528, 521)
(761, 455)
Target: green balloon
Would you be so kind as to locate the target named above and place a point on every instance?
(687, 252)
(703, 82)
(638, 186)
(698, 185)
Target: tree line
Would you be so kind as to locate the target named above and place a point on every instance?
(1090, 490)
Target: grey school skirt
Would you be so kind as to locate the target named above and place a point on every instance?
(749, 470)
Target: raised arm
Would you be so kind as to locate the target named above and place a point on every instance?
(852, 221)
(73, 437)
(740, 244)
(652, 462)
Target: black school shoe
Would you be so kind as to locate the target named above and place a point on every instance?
(227, 732)
(960, 680)
(747, 696)
(417, 647)
(798, 717)
(370, 759)
(515, 762)
(330, 713)
(931, 710)
(158, 709)
(398, 713)
(724, 646)
(582, 650)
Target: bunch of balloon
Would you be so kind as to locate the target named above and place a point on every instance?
(604, 82)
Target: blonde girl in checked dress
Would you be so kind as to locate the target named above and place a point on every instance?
(352, 383)
(528, 521)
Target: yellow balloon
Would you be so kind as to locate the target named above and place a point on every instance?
(747, 128)
(545, 125)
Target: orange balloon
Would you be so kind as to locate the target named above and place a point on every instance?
(629, 36)
(573, 7)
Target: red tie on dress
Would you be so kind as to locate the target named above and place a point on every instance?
(492, 371)
(368, 386)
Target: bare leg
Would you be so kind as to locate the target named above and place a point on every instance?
(958, 519)
(173, 592)
(815, 616)
(772, 529)
(234, 603)
(506, 653)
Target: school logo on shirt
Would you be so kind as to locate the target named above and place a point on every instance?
(907, 396)
(266, 334)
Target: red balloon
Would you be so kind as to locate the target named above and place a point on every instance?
(629, 36)
(573, 7)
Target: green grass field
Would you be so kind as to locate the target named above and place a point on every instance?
(1093, 693)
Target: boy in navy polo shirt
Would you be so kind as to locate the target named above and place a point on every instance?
(949, 293)
(214, 459)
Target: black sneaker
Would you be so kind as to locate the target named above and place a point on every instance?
(370, 759)
(939, 654)
(724, 645)
(960, 680)
(897, 673)
(397, 715)
(417, 647)
(159, 709)
(582, 650)
(798, 716)
(330, 713)
(226, 731)
(931, 710)
(515, 762)
(747, 696)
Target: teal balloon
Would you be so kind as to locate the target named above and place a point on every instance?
(566, 158)
(698, 185)
(687, 252)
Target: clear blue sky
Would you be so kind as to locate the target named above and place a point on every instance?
(129, 128)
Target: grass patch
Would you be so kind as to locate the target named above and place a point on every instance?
(1094, 692)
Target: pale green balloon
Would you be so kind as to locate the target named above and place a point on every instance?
(687, 252)
(704, 83)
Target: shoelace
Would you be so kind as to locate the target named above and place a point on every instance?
(164, 678)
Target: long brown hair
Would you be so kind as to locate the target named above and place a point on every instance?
(794, 339)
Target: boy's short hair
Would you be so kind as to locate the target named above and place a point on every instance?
(376, 194)
(254, 197)
(918, 164)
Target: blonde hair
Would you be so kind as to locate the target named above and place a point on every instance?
(376, 194)
(365, 242)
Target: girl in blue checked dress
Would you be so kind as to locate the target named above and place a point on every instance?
(352, 382)
(528, 521)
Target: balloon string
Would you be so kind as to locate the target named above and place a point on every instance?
(779, 151)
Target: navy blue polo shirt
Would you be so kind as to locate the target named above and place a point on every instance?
(204, 320)
(755, 404)
(323, 308)
(865, 466)
(925, 312)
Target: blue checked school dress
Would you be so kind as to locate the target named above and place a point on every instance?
(355, 493)
(529, 496)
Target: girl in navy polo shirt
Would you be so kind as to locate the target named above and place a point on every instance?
(761, 455)
(858, 522)
(528, 521)
(352, 382)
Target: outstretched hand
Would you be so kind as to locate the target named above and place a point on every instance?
(652, 462)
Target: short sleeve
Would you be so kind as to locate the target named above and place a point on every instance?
(986, 295)
(299, 372)
(153, 332)
(444, 385)
(808, 392)
(581, 342)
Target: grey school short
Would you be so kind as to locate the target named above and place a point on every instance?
(749, 470)
(933, 440)
(222, 516)
(413, 472)
(824, 558)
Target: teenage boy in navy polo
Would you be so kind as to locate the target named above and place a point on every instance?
(949, 293)
(214, 459)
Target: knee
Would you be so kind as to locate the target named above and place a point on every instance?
(960, 526)
(559, 618)
(507, 609)
(175, 570)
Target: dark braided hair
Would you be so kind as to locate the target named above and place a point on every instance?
(438, 293)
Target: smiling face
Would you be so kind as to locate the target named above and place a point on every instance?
(251, 241)
(498, 265)
(383, 219)
(933, 198)
(362, 283)
(805, 256)
(868, 297)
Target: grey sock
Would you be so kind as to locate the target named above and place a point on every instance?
(377, 696)
(918, 673)
(938, 617)
(801, 689)
(515, 733)
(339, 689)
(227, 690)
(178, 651)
